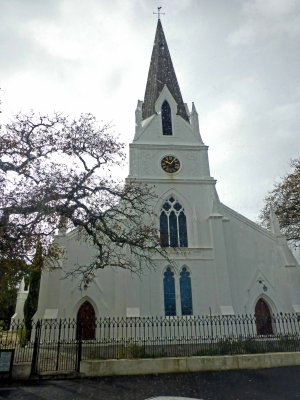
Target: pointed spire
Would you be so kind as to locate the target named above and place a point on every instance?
(274, 223)
(161, 72)
(138, 118)
(195, 121)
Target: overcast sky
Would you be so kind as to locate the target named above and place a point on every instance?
(238, 60)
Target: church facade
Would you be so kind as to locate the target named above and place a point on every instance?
(226, 264)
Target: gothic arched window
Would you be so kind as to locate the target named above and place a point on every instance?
(186, 292)
(169, 292)
(173, 231)
(166, 118)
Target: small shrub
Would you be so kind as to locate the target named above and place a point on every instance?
(225, 347)
(289, 343)
(22, 334)
(252, 346)
(4, 325)
(206, 351)
(93, 353)
(131, 351)
(158, 354)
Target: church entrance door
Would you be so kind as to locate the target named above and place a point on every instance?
(86, 320)
(263, 318)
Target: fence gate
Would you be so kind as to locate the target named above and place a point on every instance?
(57, 347)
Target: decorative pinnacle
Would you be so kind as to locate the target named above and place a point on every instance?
(159, 13)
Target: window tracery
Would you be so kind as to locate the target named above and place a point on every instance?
(173, 228)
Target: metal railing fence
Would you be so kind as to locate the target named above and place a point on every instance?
(59, 345)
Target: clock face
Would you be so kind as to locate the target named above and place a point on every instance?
(170, 164)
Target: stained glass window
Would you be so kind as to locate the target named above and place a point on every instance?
(169, 292)
(173, 227)
(186, 292)
(164, 233)
(182, 230)
(166, 118)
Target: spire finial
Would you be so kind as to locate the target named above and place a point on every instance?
(159, 13)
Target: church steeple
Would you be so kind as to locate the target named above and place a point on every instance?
(161, 73)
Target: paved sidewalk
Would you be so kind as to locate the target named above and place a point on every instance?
(267, 384)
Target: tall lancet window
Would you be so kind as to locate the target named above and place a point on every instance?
(169, 292)
(186, 292)
(166, 118)
(173, 231)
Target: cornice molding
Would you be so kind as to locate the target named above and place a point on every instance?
(168, 146)
(184, 181)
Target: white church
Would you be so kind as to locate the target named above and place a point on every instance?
(226, 264)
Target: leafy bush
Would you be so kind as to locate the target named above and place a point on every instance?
(92, 353)
(31, 303)
(22, 334)
(131, 351)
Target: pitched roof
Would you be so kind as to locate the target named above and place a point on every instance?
(161, 72)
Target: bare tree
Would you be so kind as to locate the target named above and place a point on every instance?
(285, 201)
(55, 171)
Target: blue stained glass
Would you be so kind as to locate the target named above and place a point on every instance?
(173, 229)
(186, 292)
(164, 233)
(182, 230)
(166, 118)
(177, 206)
(166, 206)
(169, 293)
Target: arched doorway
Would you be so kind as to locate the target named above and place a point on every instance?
(86, 320)
(263, 318)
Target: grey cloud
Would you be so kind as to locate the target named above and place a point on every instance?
(18, 48)
(214, 62)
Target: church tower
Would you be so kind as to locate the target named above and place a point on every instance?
(168, 153)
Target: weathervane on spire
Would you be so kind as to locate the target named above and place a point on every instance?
(159, 13)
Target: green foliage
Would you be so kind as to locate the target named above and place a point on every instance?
(285, 201)
(7, 306)
(221, 348)
(2, 326)
(130, 351)
(250, 346)
(289, 343)
(31, 302)
(93, 353)
(22, 335)
(11, 273)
